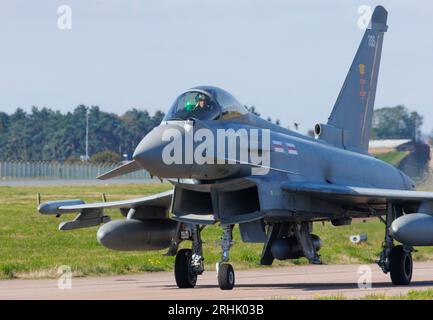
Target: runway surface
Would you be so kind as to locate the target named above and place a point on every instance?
(300, 282)
(73, 182)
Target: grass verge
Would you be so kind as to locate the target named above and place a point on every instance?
(32, 247)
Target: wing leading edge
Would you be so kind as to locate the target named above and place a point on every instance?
(162, 200)
(92, 214)
(331, 191)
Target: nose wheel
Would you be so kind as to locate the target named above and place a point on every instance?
(226, 276)
(226, 273)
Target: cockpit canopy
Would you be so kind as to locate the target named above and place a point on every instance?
(205, 103)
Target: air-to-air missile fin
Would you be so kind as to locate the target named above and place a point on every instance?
(271, 234)
(304, 238)
(353, 110)
(128, 167)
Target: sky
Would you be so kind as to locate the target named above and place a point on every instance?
(287, 58)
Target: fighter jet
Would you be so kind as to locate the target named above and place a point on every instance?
(230, 167)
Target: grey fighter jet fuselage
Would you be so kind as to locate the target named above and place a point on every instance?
(230, 167)
(311, 159)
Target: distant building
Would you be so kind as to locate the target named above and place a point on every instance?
(389, 145)
(413, 158)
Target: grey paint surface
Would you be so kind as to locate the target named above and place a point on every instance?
(413, 229)
(136, 235)
(359, 89)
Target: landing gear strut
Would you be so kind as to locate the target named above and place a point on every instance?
(397, 260)
(226, 273)
(189, 262)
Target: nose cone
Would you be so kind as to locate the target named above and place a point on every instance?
(155, 152)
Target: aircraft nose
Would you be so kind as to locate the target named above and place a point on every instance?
(150, 151)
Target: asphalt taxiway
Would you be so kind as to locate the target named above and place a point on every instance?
(299, 282)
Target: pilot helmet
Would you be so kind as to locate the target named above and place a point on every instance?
(200, 97)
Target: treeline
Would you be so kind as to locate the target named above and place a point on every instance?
(45, 134)
(396, 123)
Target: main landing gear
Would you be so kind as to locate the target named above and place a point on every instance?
(189, 262)
(397, 260)
(183, 271)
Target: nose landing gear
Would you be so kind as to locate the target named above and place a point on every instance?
(225, 271)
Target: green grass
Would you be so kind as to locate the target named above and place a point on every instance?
(426, 294)
(32, 247)
(393, 157)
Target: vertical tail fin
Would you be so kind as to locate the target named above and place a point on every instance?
(353, 111)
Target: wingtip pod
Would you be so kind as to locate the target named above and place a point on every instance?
(379, 19)
(52, 207)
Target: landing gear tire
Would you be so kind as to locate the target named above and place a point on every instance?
(401, 266)
(183, 273)
(226, 277)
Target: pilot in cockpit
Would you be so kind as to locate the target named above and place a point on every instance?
(201, 101)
